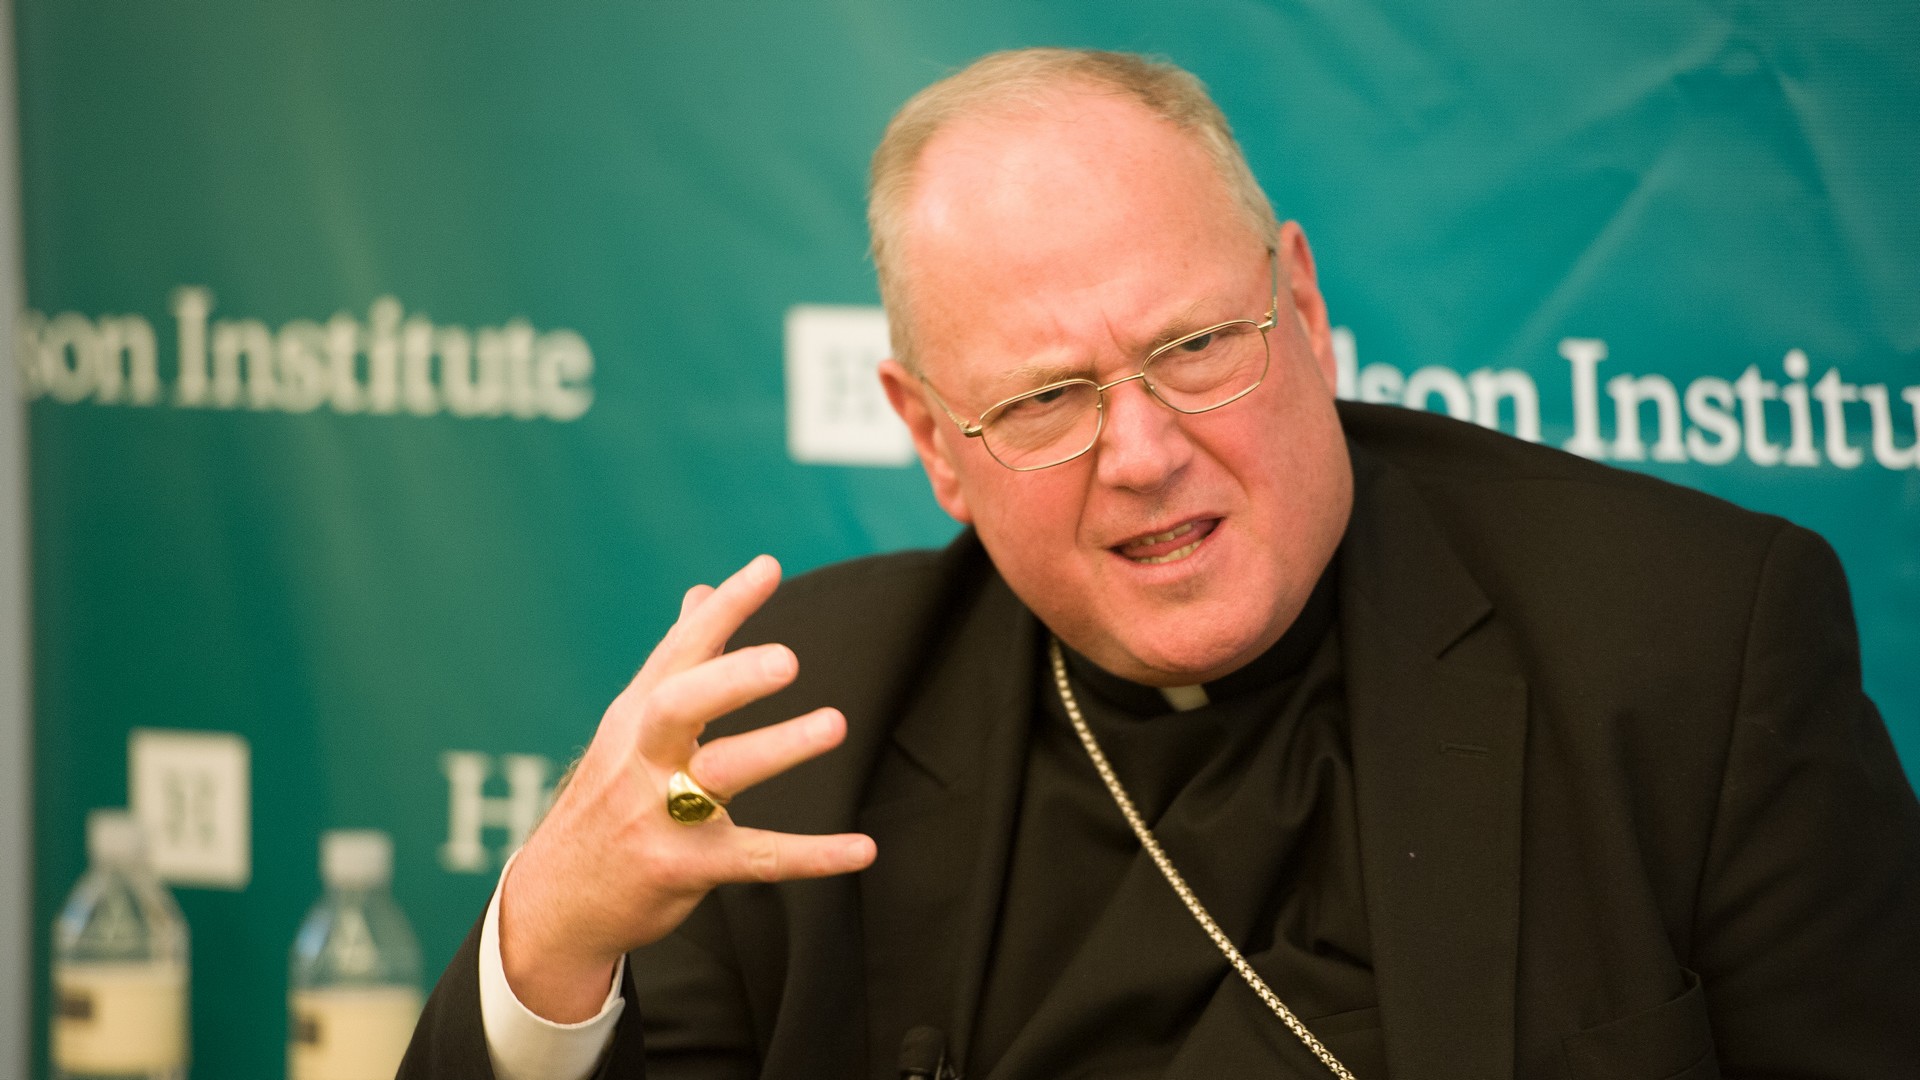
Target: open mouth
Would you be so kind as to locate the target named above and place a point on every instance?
(1164, 547)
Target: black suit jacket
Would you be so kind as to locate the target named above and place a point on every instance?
(1624, 809)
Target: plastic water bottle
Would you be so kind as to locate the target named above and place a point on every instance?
(119, 964)
(355, 990)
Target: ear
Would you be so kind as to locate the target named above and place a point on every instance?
(1300, 282)
(931, 432)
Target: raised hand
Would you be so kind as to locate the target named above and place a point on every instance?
(608, 870)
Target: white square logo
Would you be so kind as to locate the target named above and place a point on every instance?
(192, 793)
(837, 413)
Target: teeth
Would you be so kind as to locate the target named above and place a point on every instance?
(1178, 553)
(1161, 538)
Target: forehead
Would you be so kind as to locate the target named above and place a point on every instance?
(1050, 179)
(1076, 226)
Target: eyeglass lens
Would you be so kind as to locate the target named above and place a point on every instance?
(1060, 422)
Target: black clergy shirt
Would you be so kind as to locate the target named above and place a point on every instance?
(1097, 969)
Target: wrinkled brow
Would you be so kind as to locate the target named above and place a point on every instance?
(1034, 374)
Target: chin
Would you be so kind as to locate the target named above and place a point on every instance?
(1190, 659)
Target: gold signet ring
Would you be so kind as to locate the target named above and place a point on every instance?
(687, 802)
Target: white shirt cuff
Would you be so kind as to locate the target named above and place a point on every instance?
(524, 1045)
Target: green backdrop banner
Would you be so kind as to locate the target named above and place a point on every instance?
(394, 369)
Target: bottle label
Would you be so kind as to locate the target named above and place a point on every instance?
(119, 1018)
(350, 1032)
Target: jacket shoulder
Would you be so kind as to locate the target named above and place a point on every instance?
(1468, 469)
(859, 627)
(1604, 577)
(864, 599)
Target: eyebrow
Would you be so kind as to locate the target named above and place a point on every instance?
(1035, 374)
(1038, 373)
(1185, 322)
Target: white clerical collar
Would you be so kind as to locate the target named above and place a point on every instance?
(1184, 698)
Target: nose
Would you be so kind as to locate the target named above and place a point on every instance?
(1142, 444)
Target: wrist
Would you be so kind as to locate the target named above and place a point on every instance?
(546, 968)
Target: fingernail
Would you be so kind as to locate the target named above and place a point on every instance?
(822, 726)
(860, 849)
(779, 662)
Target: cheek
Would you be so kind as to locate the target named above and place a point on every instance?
(1029, 522)
(1291, 460)
(1308, 479)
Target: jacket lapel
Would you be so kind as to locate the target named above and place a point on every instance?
(966, 736)
(1438, 715)
(946, 663)
(958, 678)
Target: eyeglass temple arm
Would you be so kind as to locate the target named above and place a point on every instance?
(971, 431)
(1273, 271)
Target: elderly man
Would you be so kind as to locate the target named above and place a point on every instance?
(1240, 734)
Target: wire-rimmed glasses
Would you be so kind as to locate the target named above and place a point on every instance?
(1194, 373)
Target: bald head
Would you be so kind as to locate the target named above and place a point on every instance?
(1096, 196)
(1012, 108)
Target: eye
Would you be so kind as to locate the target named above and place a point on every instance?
(1034, 404)
(1045, 404)
(1198, 343)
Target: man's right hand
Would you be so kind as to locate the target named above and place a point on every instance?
(608, 871)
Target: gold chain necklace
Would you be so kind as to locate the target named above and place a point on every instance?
(1180, 887)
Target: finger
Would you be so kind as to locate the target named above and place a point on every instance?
(703, 632)
(758, 855)
(678, 708)
(681, 648)
(735, 763)
(694, 598)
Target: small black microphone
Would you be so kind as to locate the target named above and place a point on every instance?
(923, 1055)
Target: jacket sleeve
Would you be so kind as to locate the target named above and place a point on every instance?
(685, 1011)
(450, 1040)
(687, 995)
(1807, 938)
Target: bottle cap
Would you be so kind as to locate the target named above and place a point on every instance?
(355, 858)
(114, 836)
